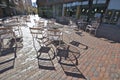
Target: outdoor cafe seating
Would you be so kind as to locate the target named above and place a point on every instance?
(7, 40)
(93, 27)
(39, 36)
(51, 38)
(81, 24)
(15, 25)
(10, 34)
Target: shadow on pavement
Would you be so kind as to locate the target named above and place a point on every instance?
(8, 56)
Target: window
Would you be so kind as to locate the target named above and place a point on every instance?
(94, 1)
(85, 3)
(101, 1)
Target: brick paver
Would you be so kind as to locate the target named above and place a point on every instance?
(99, 62)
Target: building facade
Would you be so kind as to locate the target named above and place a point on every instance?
(72, 8)
(112, 14)
(6, 8)
(28, 6)
(75, 8)
(15, 7)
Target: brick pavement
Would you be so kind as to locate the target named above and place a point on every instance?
(99, 62)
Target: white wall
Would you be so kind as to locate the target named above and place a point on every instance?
(114, 4)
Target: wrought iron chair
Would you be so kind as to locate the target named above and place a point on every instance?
(93, 27)
(39, 35)
(7, 41)
(41, 23)
(55, 35)
(16, 27)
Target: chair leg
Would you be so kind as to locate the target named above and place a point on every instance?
(95, 32)
(53, 52)
(86, 30)
(1, 45)
(90, 31)
(50, 59)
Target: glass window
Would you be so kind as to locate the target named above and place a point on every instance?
(73, 4)
(69, 4)
(94, 1)
(78, 3)
(85, 3)
(101, 1)
(64, 5)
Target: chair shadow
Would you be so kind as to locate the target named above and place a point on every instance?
(79, 33)
(71, 70)
(8, 56)
(57, 42)
(46, 67)
(77, 44)
(7, 65)
(45, 64)
(44, 59)
(68, 61)
(8, 51)
(75, 75)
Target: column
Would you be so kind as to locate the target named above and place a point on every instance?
(78, 12)
(54, 11)
(63, 8)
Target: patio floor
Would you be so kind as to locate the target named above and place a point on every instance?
(99, 61)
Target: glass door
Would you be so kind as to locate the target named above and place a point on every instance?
(115, 17)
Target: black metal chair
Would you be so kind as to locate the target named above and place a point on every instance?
(8, 41)
(39, 35)
(93, 27)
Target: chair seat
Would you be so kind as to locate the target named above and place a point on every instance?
(62, 53)
(41, 38)
(44, 49)
(89, 26)
(75, 43)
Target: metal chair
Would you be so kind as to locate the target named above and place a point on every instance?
(40, 24)
(93, 27)
(39, 35)
(7, 41)
(16, 27)
(55, 35)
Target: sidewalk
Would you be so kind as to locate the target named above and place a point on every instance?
(100, 61)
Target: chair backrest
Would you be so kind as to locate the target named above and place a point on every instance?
(36, 22)
(6, 31)
(41, 24)
(36, 32)
(55, 34)
(39, 35)
(95, 25)
(15, 26)
(6, 34)
(50, 23)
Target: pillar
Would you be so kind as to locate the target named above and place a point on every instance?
(78, 12)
